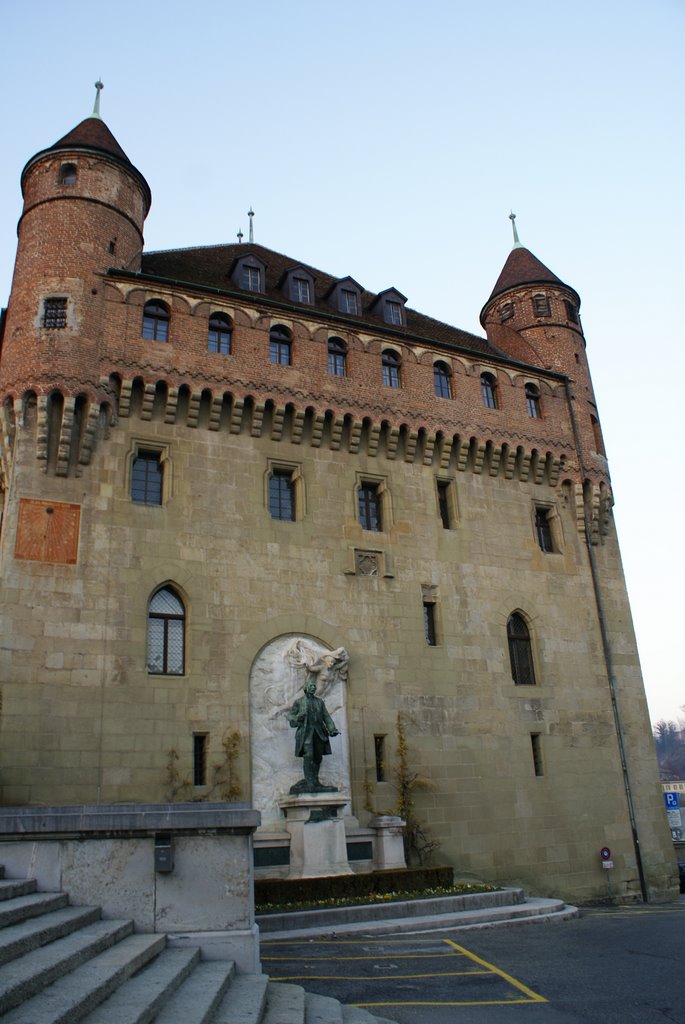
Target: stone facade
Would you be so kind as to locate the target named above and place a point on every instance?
(526, 779)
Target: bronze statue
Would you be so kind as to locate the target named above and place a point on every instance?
(314, 727)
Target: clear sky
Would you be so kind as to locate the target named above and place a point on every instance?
(389, 141)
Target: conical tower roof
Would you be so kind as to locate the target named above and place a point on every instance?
(92, 135)
(523, 268)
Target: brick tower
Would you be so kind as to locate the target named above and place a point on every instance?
(532, 316)
(84, 207)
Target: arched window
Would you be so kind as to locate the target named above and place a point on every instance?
(533, 401)
(520, 651)
(441, 380)
(488, 390)
(67, 174)
(219, 334)
(391, 368)
(166, 634)
(280, 346)
(156, 321)
(336, 357)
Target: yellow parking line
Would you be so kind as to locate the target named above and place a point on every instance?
(463, 1002)
(533, 996)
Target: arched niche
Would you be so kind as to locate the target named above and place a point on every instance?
(277, 677)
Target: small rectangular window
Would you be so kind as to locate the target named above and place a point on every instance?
(447, 504)
(55, 314)
(379, 753)
(282, 495)
(536, 746)
(543, 529)
(199, 759)
(147, 477)
(429, 623)
(370, 507)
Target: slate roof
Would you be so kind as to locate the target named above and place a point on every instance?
(211, 267)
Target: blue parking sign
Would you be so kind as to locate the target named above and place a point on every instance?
(672, 803)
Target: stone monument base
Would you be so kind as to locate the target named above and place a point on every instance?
(317, 835)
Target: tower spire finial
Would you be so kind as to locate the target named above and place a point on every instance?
(239, 236)
(512, 218)
(96, 106)
(250, 214)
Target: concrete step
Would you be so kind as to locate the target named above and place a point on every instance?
(244, 1002)
(532, 910)
(22, 907)
(27, 975)
(69, 999)
(284, 1004)
(438, 905)
(198, 998)
(18, 939)
(140, 999)
(11, 887)
(322, 1010)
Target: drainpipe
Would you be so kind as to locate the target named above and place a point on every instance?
(606, 649)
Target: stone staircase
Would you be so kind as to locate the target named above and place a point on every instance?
(63, 965)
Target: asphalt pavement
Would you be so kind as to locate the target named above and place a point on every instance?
(618, 965)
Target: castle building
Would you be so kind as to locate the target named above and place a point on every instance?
(221, 466)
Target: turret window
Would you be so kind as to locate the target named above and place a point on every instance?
(219, 334)
(391, 368)
(571, 311)
(155, 321)
(67, 174)
(533, 401)
(441, 380)
(541, 305)
(54, 314)
(488, 390)
(506, 311)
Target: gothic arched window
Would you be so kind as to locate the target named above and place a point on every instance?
(520, 650)
(166, 633)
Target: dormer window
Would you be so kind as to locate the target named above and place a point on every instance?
(300, 289)
(393, 313)
(346, 296)
(349, 301)
(251, 279)
(297, 285)
(390, 304)
(249, 273)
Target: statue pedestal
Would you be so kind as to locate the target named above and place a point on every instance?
(389, 846)
(317, 834)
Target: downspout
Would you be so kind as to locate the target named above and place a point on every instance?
(606, 649)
